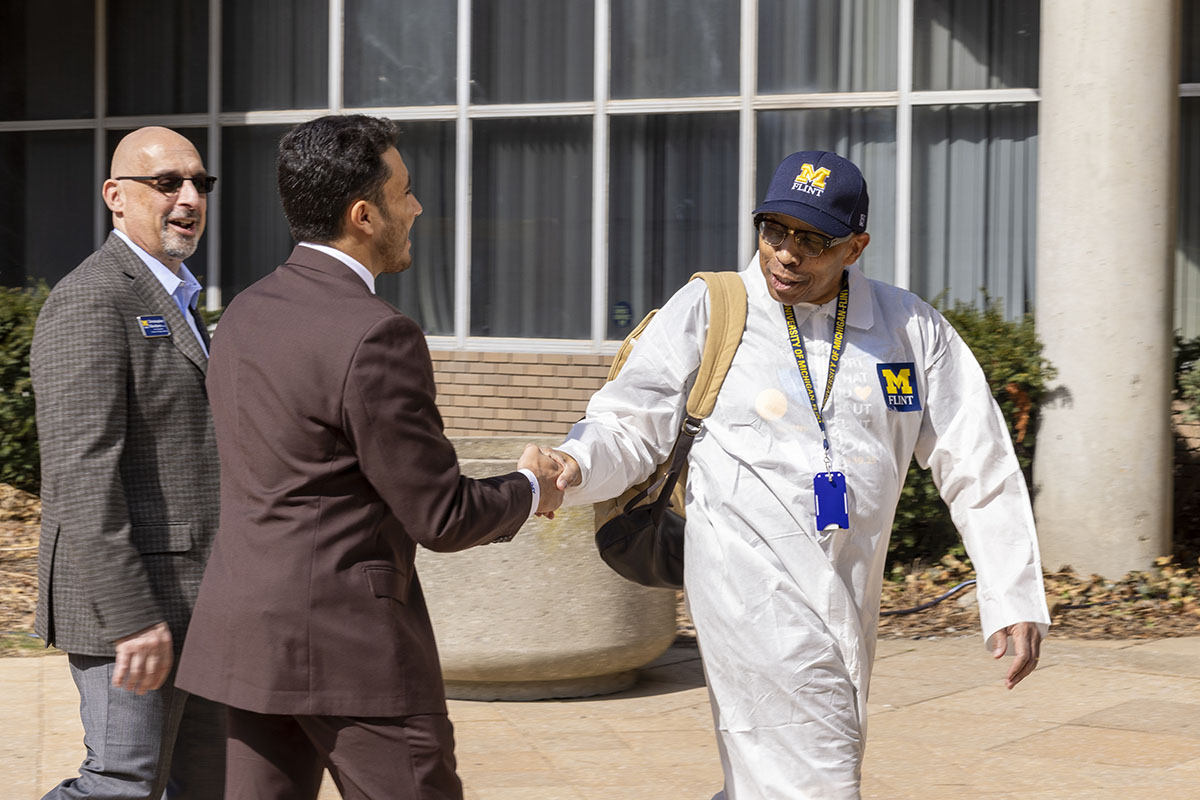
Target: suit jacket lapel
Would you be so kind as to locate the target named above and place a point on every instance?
(157, 301)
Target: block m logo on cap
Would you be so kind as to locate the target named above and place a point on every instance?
(899, 386)
(811, 180)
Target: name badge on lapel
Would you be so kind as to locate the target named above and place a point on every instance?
(153, 326)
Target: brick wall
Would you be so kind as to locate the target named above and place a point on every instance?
(540, 394)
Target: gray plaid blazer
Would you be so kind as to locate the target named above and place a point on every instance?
(129, 461)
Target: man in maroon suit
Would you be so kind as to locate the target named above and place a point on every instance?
(311, 625)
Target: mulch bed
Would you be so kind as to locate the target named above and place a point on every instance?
(1156, 604)
(19, 516)
(1160, 602)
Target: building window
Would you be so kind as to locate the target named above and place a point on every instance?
(1187, 252)
(50, 186)
(531, 184)
(576, 160)
(810, 47)
(672, 208)
(157, 58)
(532, 51)
(399, 53)
(674, 48)
(274, 54)
(975, 44)
(44, 58)
(973, 225)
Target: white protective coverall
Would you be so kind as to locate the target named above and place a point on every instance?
(786, 615)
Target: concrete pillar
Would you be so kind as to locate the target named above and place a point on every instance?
(1106, 209)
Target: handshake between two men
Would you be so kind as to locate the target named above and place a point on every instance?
(555, 472)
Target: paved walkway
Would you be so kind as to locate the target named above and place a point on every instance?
(1112, 719)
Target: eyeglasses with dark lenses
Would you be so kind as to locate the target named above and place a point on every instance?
(808, 243)
(170, 184)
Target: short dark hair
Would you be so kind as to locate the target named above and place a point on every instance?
(325, 165)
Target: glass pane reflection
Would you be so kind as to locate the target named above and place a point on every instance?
(1189, 66)
(275, 54)
(47, 206)
(817, 46)
(531, 228)
(157, 57)
(1187, 253)
(531, 51)
(974, 203)
(674, 48)
(400, 56)
(673, 198)
(46, 66)
(975, 44)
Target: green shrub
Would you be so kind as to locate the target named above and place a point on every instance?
(19, 464)
(19, 460)
(1011, 357)
(1189, 391)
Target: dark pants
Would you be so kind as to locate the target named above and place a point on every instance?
(282, 757)
(139, 745)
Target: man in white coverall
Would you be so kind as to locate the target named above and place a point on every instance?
(786, 604)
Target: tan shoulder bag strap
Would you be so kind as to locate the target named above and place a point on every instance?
(726, 321)
(626, 347)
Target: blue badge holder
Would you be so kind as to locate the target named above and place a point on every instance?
(833, 511)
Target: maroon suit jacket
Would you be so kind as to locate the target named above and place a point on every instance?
(334, 467)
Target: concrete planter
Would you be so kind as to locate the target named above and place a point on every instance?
(541, 616)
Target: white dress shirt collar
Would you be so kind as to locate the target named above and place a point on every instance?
(349, 261)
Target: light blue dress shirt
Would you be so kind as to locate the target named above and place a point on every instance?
(183, 288)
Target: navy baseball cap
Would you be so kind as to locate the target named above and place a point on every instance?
(820, 188)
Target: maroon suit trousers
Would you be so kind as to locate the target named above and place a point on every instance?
(282, 757)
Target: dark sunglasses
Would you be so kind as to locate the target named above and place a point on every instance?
(170, 184)
(809, 243)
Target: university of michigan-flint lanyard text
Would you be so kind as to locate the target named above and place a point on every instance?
(839, 340)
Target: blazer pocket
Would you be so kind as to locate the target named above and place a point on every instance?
(387, 581)
(168, 537)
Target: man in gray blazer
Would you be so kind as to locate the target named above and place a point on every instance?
(311, 624)
(130, 480)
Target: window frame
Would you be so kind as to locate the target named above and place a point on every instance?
(602, 109)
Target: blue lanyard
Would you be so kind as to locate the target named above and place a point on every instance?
(835, 354)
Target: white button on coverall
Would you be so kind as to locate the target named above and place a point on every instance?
(786, 615)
